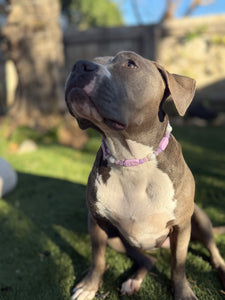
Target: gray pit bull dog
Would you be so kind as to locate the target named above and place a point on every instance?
(140, 191)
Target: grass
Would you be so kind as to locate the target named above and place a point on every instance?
(44, 243)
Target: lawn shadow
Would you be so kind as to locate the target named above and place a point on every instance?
(203, 149)
(43, 220)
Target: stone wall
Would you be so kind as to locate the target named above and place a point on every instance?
(196, 47)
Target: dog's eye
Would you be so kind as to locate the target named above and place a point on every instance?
(131, 64)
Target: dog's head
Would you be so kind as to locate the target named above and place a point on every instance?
(115, 93)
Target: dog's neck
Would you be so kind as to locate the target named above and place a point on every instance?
(126, 150)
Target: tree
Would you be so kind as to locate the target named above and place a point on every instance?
(33, 41)
(171, 7)
(170, 10)
(88, 13)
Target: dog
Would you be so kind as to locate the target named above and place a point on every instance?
(140, 191)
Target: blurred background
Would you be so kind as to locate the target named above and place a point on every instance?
(44, 245)
(41, 40)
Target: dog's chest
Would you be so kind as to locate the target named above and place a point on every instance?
(139, 201)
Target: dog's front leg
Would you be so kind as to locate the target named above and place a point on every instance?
(87, 288)
(179, 240)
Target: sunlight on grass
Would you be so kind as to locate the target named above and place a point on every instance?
(71, 238)
(45, 246)
(55, 160)
(28, 255)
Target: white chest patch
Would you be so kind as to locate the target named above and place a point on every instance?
(139, 201)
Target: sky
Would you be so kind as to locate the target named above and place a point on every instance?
(152, 10)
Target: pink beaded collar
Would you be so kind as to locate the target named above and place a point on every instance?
(136, 162)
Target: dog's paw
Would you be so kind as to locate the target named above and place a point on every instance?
(82, 294)
(87, 288)
(130, 286)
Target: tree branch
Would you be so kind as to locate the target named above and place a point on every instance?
(171, 6)
(136, 11)
(196, 3)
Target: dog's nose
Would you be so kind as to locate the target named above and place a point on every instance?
(83, 66)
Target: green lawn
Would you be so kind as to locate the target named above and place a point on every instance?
(44, 245)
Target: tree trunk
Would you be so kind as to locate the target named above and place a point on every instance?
(33, 40)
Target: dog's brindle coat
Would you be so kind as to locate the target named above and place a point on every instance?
(137, 208)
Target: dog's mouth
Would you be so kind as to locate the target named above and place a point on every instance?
(81, 105)
(114, 124)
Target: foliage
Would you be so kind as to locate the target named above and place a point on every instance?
(219, 40)
(23, 133)
(88, 13)
(45, 246)
(195, 34)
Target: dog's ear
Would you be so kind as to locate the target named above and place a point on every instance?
(181, 89)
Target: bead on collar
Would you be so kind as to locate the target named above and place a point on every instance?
(136, 162)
